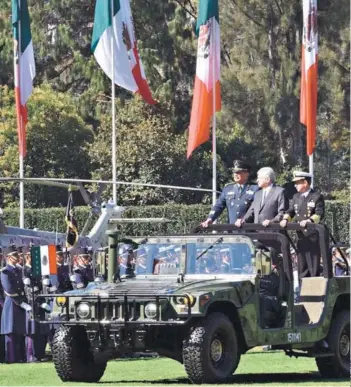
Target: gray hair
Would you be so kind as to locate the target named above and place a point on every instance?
(268, 173)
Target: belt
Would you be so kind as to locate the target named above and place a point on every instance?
(13, 294)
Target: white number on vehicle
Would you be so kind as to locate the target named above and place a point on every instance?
(294, 337)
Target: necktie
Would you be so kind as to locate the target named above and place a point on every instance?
(240, 189)
(264, 193)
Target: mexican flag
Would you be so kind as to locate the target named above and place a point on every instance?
(24, 66)
(113, 25)
(309, 73)
(44, 260)
(207, 75)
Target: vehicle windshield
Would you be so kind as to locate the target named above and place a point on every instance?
(150, 258)
(162, 256)
(225, 258)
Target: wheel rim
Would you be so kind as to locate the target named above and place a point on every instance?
(216, 350)
(344, 342)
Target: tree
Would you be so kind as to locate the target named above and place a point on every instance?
(148, 152)
(57, 141)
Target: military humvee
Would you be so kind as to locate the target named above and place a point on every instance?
(204, 299)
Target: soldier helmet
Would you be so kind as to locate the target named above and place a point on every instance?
(239, 165)
(300, 175)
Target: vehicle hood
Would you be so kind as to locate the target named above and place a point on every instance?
(151, 285)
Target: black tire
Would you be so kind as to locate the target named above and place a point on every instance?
(338, 339)
(73, 358)
(213, 337)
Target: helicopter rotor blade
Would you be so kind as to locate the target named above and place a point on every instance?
(49, 182)
(43, 179)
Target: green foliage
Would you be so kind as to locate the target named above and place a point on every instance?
(57, 140)
(259, 121)
(149, 151)
(183, 218)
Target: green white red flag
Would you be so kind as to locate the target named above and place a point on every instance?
(205, 104)
(113, 22)
(24, 66)
(44, 260)
(309, 72)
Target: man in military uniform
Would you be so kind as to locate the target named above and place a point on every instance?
(237, 196)
(13, 319)
(307, 206)
(84, 272)
(2, 300)
(63, 283)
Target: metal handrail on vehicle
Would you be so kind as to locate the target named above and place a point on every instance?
(248, 228)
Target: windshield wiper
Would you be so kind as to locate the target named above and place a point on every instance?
(219, 240)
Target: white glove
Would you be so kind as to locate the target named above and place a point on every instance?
(1, 212)
(25, 306)
(46, 307)
(52, 289)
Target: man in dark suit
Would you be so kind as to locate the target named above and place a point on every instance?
(269, 203)
(307, 206)
(236, 197)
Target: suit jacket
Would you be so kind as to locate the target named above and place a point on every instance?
(273, 208)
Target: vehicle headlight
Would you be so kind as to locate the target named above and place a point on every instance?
(83, 310)
(151, 310)
(61, 301)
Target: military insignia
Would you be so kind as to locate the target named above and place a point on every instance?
(126, 37)
(250, 192)
(231, 193)
(204, 40)
(310, 30)
(311, 204)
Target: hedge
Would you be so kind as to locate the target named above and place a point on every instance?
(182, 218)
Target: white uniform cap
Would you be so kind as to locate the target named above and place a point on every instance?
(300, 175)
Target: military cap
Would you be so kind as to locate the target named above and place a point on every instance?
(83, 251)
(11, 250)
(239, 165)
(59, 250)
(300, 175)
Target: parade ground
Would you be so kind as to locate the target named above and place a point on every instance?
(256, 369)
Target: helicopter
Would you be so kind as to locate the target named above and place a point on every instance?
(109, 212)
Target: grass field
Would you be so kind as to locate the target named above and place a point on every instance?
(272, 368)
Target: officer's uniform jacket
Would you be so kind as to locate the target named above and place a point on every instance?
(84, 275)
(13, 319)
(63, 281)
(236, 201)
(303, 208)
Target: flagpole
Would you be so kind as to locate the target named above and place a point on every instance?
(17, 54)
(114, 164)
(214, 138)
(310, 167)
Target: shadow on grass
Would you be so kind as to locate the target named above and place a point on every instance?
(243, 379)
